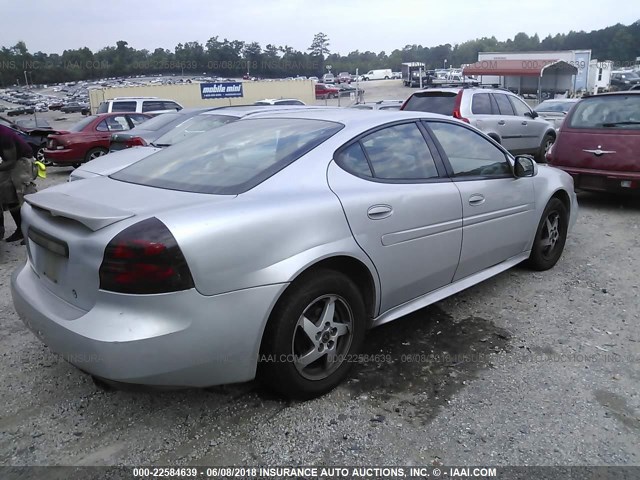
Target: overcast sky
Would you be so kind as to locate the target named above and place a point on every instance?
(375, 25)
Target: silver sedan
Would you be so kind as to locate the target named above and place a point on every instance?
(268, 247)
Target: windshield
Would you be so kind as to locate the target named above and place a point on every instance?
(554, 107)
(239, 156)
(192, 126)
(78, 127)
(607, 111)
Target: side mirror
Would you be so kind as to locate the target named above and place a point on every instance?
(525, 166)
(532, 114)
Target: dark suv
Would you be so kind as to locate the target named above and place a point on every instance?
(624, 80)
(502, 115)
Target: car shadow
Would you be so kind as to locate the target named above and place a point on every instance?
(417, 363)
(608, 201)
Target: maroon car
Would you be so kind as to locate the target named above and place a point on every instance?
(599, 143)
(326, 91)
(89, 138)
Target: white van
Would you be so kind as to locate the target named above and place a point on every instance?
(150, 105)
(382, 74)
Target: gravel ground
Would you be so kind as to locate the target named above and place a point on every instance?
(523, 369)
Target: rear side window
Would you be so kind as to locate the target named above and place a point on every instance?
(152, 106)
(504, 105)
(103, 107)
(610, 112)
(399, 152)
(123, 107)
(481, 104)
(237, 158)
(434, 102)
(353, 160)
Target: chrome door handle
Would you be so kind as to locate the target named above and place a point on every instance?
(476, 199)
(378, 212)
(501, 122)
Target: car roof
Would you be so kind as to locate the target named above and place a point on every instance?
(351, 116)
(244, 110)
(609, 94)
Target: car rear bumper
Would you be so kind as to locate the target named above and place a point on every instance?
(603, 180)
(177, 339)
(66, 156)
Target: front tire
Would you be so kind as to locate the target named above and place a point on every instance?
(551, 236)
(315, 328)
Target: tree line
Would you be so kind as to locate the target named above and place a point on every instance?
(232, 58)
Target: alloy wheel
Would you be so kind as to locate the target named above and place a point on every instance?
(322, 337)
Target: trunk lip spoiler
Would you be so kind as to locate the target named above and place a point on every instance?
(89, 213)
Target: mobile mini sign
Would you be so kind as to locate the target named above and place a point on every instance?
(221, 90)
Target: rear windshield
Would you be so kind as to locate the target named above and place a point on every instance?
(610, 111)
(192, 126)
(234, 159)
(434, 102)
(156, 123)
(554, 107)
(78, 127)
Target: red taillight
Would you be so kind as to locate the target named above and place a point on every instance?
(144, 259)
(135, 142)
(456, 108)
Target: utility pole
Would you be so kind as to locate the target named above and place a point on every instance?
(26, 82)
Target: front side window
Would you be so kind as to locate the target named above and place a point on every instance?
(469, 153)
(137, 119)
(399, 152)
(237, 158)
(521, 108)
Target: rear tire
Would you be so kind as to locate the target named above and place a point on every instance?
(547, 141)
(551, 236)
(95, 153)
(315, 328)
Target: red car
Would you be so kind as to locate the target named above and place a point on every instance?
(326, 91)
(599, 143)
(89, 138)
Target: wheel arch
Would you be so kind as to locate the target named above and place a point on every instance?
(352, 268)
(563, 196)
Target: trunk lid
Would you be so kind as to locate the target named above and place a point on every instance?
(69, 226)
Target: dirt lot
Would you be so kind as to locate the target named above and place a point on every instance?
(524, 369)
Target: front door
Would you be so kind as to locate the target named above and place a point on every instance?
(497, 208)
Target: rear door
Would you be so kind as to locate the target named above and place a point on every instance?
(403, 210)
(498, 209)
